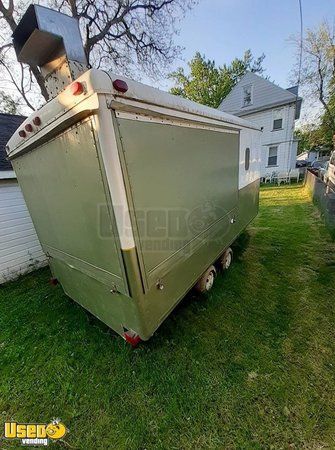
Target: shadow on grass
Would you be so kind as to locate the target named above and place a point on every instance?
(272, 187)
(241, 244)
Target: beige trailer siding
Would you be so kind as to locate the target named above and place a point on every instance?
(183, 183)
(170, 155)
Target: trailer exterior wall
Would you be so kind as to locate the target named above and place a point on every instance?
(111, 275)
(182, 182)
(156, 304)
(64, 185)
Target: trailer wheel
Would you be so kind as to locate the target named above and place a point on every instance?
(205, 283)
(226, 259)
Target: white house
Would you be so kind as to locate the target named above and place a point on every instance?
(311, 155)
(274, 110)
(20, 250)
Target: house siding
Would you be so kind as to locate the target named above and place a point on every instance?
(269, 102)
(265, 93)
(287, 148)
(20, 250)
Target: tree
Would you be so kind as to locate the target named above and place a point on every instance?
(316, 73)
(322, 135)
(7, 104)
(123, 35)
(208, 84)
(319, 134)
(309, 137)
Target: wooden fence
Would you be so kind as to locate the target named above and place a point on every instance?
(324, 198)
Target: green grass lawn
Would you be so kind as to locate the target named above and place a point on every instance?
(251, 365)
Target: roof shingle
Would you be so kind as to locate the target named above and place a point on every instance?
(8, 125)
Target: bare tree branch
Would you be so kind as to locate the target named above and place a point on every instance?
(124, 35)
(318, 68)
(20, 86)
(8, 14)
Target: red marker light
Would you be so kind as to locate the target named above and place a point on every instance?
(22, 133)
(76, 88)
(132, 338)
(37, 121)
(29, 127)
(120, 86)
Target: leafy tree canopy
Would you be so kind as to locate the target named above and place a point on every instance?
(316, 74)
(207, 83)
(316, 135)
(7, 104)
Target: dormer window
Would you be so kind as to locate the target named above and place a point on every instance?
(247, 95)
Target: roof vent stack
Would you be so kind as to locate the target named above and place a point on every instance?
(52, 41)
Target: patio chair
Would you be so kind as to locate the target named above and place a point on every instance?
(267, 178)
(294, 174)
(283, 177)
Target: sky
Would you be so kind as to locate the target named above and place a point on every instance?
(224, 29)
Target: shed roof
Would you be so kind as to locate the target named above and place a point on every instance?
(8, 125)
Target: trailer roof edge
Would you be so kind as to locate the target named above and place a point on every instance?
(154, 96)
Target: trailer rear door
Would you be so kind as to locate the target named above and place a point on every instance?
(183, 183)
(64, 187)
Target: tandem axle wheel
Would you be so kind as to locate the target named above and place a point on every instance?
(226, 259)
(206, 281)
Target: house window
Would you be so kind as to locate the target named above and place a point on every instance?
(247, 95)
(278, 124)
(247, 158)
(277, 119)
(273, 156)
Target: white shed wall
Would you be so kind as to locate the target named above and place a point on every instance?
(20, 250)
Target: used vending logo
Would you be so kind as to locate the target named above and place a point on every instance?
(35, 433)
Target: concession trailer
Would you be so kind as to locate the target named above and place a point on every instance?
(136, 194)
